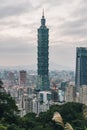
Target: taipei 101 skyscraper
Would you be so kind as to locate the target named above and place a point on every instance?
(43, 57)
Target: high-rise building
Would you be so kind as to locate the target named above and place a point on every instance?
(83, 94)
(43, 57)
(22, 78)
(81, 67)
(70, 95)
(54, 92)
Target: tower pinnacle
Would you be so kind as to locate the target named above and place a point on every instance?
(43, 19)
(43, 13)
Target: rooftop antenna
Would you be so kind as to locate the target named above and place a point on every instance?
(43, 13)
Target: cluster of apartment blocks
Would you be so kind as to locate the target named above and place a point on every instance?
(30, 101)
(27, 99)
(72, 96)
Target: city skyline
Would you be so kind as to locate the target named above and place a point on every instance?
(19, 21)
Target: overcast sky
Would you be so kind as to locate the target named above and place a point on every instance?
(19, 20)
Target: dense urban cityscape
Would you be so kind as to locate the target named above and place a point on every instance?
(31, 89)
(39, 91)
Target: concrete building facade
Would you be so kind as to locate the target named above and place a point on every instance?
(83, 94)
(81, 67)
(70, 94)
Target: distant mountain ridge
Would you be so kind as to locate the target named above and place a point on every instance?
(52, 66)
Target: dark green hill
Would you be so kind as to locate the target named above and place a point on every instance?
(70, 112)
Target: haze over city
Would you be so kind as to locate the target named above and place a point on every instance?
(19, 21)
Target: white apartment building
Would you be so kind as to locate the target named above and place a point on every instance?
(70, 94)
(83, 94)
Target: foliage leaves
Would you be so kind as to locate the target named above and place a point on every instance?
(7, 105)
(70, 112)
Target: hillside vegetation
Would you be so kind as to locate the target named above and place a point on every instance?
(70, 112)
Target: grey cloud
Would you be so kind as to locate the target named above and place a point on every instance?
(76, 23)
(17, 52)
(77, 26)
(15, 9)
(82, 33)
(17, 24)
(16, 59)
(63, 55)
(16, 47)
(58, 2)
(83, 2)
(81, 10)
(73, 24)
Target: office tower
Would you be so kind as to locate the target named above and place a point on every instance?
(25, 105)
(54, 92)
(11, 77)
(70, 95)
(45, 97)
(36, 106)
(83, 94)
(81, 67)
(22, 78)
(43, 57)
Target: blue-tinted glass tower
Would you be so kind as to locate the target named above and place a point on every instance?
(43, 56)
(81, 67)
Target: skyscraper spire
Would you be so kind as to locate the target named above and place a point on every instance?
(43, 19)
(43, 13)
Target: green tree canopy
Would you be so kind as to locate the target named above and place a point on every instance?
(7, 105)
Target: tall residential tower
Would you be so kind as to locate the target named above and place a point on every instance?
(43, 56)
(81, 67)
